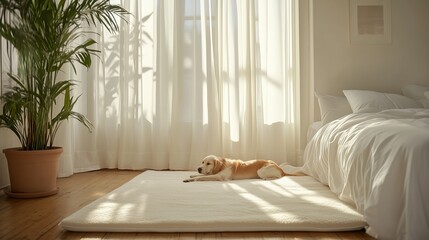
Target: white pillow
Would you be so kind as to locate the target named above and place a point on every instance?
(363, 101)
(332, 107)
(417, 92)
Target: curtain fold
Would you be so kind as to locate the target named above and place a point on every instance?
(185, 79)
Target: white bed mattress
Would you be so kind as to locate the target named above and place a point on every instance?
(380, 162)
(312, 130)
(158, 201)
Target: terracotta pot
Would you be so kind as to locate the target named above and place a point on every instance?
(32, 173)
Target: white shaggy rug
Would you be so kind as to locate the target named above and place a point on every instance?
(158, 201)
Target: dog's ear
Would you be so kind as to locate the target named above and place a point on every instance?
(218, 165)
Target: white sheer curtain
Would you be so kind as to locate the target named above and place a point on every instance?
(188, 78)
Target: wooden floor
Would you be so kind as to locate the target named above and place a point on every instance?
(39, 218)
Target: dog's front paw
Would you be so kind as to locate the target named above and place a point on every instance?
(189, 180)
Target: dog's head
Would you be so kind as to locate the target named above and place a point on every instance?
(211, 165)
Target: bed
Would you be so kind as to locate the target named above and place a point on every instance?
(376, 156)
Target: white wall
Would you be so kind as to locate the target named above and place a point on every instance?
(339, 65)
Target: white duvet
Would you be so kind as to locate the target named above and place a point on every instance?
(379, 162)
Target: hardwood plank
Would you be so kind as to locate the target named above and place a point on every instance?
(39, 218)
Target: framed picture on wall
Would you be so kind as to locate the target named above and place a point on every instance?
(370, 22)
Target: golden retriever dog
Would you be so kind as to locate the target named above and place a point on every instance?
(215, 168)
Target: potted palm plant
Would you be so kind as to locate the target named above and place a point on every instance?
(46, 35)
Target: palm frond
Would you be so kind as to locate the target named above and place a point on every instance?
(47, 34)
